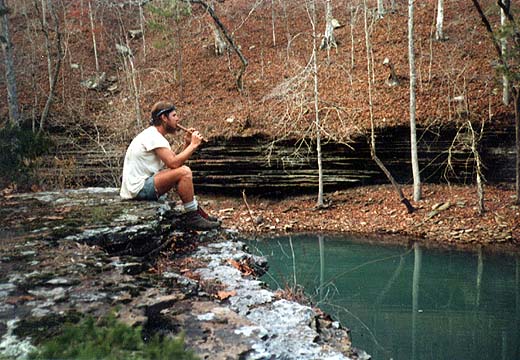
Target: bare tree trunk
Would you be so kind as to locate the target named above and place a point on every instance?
(373, 154)
(439, 33)
(413, 131)
(131, 73)
(353, 15)
(56, 71)
(328, 40)
(380, 9)
(286, 21)
(94, 44)
(31, 34)
(516, 99)
(312, 7)
(503, 45)
(273, 17)
(220, 43)
(136, 92)
(45, 26)
(180, 59)
(480, 181)
(514, 89)
(10, 76)
(141, 22)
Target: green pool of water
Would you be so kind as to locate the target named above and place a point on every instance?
(405, 303)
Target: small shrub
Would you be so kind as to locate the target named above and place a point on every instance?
(107, 338)
(20, 150)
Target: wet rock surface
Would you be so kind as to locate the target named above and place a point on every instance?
(64, 255)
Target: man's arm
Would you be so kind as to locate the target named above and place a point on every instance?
(172, 160)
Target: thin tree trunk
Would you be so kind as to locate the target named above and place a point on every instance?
(516, 97)
(373, 153)
(439, 32)
(353, 14)
(180, 59)
(503, 45)
(56, 73)
(141, 22)
(31, 35)
(380, 9)
(94, 44)
(136, 91)
(514, 90)
(316, 102)
(45, 26)
(10, 75)
(328, 40)
(478, 163)
(413, 131)
(273, 17)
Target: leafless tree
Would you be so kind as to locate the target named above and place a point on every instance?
(373, 153)
(312, 15)
(329, 40)
(439, 26)
(54, 60)
(508, 66)
(468, 139)
(413, 131)
(503, 44)
(7, 47)
(93, 32)
(380, 9)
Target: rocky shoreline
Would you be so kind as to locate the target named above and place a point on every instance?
(84, 252)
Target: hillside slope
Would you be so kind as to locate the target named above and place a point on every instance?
(176, 60)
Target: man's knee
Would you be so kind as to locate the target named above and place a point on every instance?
(186, 172)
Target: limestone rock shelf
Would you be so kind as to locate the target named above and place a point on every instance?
(259, 165)
(67, 254)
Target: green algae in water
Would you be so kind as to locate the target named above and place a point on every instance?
(107, 338)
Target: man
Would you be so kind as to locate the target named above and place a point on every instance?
(151, 168)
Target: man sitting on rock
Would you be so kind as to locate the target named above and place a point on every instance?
(151, 168)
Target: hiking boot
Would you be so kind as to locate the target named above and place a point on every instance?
(207, 216)
(194, 221)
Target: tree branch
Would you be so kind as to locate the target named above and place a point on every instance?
(209, 9)
(485, 20)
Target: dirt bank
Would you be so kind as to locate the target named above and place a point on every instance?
(447, 216)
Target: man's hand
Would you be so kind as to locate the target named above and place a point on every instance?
(196, 138)
(192, 137)
(187, 136)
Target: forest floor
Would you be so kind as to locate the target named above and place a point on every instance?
(447, 216)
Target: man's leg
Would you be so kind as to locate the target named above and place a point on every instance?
(165, 180)
(182, 177)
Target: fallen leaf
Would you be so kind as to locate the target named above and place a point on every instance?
(223, 295)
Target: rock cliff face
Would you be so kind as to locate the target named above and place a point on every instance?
(264, 166)
(67, 254)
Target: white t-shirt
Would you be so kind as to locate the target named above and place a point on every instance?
(141, 162)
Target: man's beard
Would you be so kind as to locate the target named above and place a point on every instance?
(170, 129)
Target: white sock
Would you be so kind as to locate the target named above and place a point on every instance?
(191, 206)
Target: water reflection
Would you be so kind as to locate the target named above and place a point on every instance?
(406, 303)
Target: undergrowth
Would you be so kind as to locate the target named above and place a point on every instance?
(20, 153)
(106, 338)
